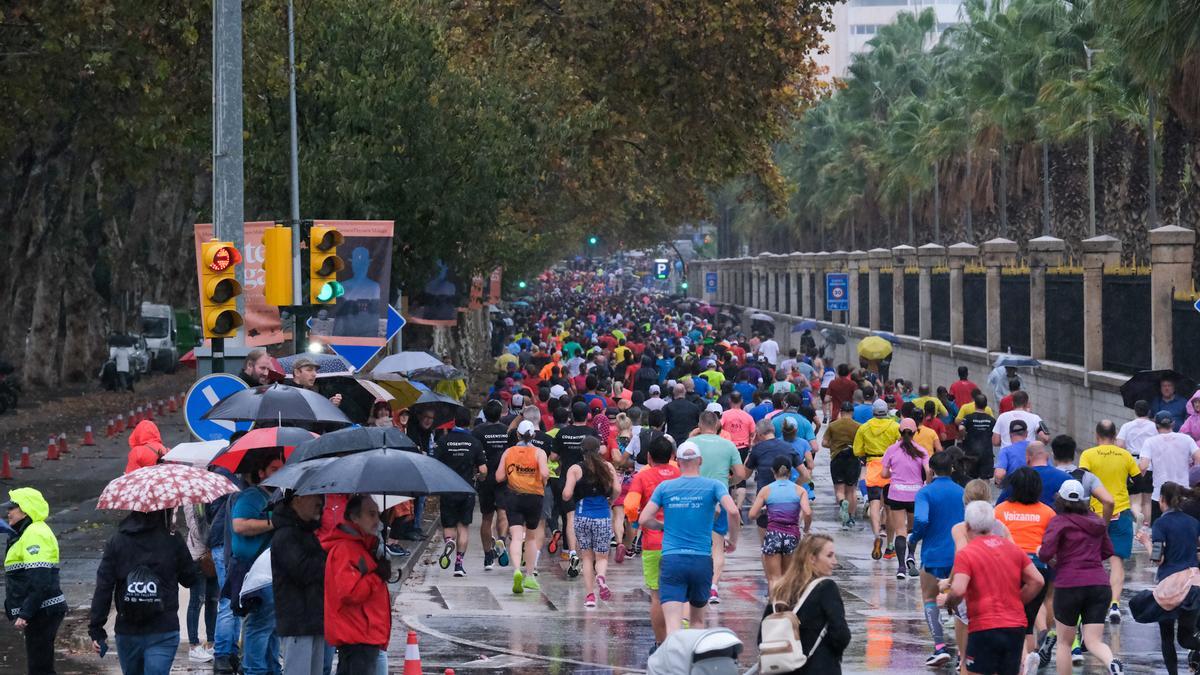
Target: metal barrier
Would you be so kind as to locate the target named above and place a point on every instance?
(1014, 313)
(1186, 326)
(885, 301)
(939, 305)
(1126, 322)
(1064, 317)
(912, 304)
(864, 300)
(975, 309)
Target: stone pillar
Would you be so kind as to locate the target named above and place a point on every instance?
(807, 262)
(1043, 252)
(928, 256)
(1171, 253)
(959, 256)
(856, 262)
(824, 262)
(997, 253)
(766, 264)
(902, 256)
(876, 259)
(1098, 253)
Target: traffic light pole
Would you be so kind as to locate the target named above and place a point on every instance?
(218, 355)
(301, 311)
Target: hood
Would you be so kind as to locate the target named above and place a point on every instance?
(146, 432)
(31, 502)
(1191, 406)
(1089, 523)
(348, 531)
(138, 522)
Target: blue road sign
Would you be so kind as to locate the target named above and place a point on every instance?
(205, 394)
(1197, 305)
(710, 282)
(360, 355)
(837, 292)
(662, 269)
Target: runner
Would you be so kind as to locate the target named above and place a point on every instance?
(568, 451)
(871, 441)
(1026, 518)
(938, 507)
(525, 470)
(975, 429)
(493, 522)
(1114, 466)
(1131, 436)
(722, 463)
(1168, 456)
(904, 464)
(688, 504)
(1174, 550)
(591, 484)
(786, 503)
(844, 467)
(659, 452)
(464, 454)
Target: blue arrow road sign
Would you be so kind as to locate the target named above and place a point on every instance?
(1197, 305)
(360, 355)
(205, 394)
(837, 291)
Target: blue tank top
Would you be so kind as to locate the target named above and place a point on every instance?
(783, 507)
(590, 502)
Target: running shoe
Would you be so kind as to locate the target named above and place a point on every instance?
(714, 598)
(590, 601)
(396, 550)
(198, 654)
(555, 538)
(844, 513)
(1116, 667)
(573, 568)
(501, 552)
(518, 582)
(619, 556)
(459, 571)
(877, 551)
(889, 553)
(1114, 614)
(937, 658)
(612, 543)
(1046, 651)
(1194, 661)
(900, 574)
(1032, 663)
(637, 544)
(531, 584)
(911, 566)
(602, 586)
(447, 554)
(489, 561)
(1076, 656)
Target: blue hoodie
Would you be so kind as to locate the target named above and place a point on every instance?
(939, 507)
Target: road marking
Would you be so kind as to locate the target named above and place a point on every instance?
(210, 395)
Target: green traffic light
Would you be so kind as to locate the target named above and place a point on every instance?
(592, 240)
(521, 284)
(683, 285)
(332, 290)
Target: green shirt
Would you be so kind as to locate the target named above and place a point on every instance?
(720, 456)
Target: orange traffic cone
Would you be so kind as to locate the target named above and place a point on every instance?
(149, 411)
(137, 415)
(62, 444)
(171, 405)
(6, 468)
(111, 429)
(88, 439)
(120, 423)
(160, 408)
(412, 655)
(52, 449)
(26, 462)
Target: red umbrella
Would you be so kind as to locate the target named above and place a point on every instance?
(275, 372)
(257, 441)
(188, 359)
(163, 486)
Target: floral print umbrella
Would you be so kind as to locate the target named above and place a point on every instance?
(163, 486)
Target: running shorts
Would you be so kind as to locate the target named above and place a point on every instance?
(938, 572)
(844, 468)
(685, 578)
(875, 494)
(1142, 484)
(524, 510)
(997, 651)
(651, 565)
(490, 496)
(1120, 531)
(779, 543)
(593, 534)
(898, 506)
(457, 510)
(1086, 604)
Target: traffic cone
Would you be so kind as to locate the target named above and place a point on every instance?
(149, 411)
(111, 429)
(6, 468)
(161, 409)
(26, 462)
(120, 423)
(412, 655)
(137, 415)
(52, 449)
(88, 439)
(62, 444)
(171, 405)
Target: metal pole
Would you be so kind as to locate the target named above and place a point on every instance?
(937, 204)
(1152, 163)
(1091, 158)
(1045, 188)
(228, 174)
(295, 158)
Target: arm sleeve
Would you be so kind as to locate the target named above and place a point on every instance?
(837, 632)
(188, 572)
(348, 581)
(920, 517)
(1049, 548)
(103, 595)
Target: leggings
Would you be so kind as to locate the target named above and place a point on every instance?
(1187, 639)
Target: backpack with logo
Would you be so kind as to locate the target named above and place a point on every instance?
(142, 599)
(779, 648)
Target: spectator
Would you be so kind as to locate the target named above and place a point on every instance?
(33, 599)
(298, 584)
(358, 617)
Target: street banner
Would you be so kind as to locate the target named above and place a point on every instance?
(476, 300)
(494, 287)
(262, 325)
(360, 317)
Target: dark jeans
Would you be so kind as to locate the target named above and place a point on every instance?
(39, 640)
(150, 654)
(202, 595)
(357, 659)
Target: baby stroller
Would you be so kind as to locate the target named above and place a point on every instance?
(712, 651)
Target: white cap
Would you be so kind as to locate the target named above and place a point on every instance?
(526, 428)
(655, 390)
(1072, 491)
(687, 450)
(557, 391)
(518, 400)
(714, 407)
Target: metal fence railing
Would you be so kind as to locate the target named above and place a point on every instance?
(974, 305)
(1186, 331)
(885, 301)
(1014, 313)
(1126, 322)
(912, 304)
(939, 297)
(864, 299)
(1064, 318)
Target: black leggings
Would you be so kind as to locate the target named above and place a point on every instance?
(1187, 639)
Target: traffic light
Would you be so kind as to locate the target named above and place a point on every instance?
(277, 265)
(593, 240)
(219, 289)
(683, 285)
(521, 284)
(323, 265)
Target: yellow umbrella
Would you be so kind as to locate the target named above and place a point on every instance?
(405, 393)
(874, 348)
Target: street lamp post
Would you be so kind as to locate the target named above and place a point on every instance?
(1091, 154)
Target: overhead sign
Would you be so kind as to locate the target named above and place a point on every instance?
(360, 355)
(710, 282)
(662, 268)
(206, 393)
(837, 292)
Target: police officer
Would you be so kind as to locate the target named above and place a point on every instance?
(33, 600)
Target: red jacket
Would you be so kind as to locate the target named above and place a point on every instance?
(145, 446)
(357, 603)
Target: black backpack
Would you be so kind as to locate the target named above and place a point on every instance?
(645, 438)
(142, 599)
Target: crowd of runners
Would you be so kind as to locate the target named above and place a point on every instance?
(630, 426)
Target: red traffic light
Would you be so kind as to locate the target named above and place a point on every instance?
(223, 257)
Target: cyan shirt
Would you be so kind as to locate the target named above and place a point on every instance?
(689, 507)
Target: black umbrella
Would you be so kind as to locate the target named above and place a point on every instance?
(293, 472)
(443, 407)
(347, 441)
(386, 471)
(279, 404)
(1145, 385)
(833, 337)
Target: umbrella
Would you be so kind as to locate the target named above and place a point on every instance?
(708, 310)
(347, 441)
(163, 486)
(803, 326)
(520, 303)
(759, 316)
(277, 403)
(405, 391)
(198, 453)
(269, 440)
(443, 407)
(1144, 385)
(188, 359)
(358, 396)
(1016, 361)
(385, 471)
(292, 472)
(121, 340)
(327, 364)
(890, 337)
(874, 348)
(256, 579)
(415, 365)
(833, 337)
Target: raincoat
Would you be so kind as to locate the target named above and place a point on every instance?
(1191, 426)
(357, 604)
(31, 564)
(145, 446)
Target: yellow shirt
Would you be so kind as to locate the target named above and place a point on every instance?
(927, 438)
(1113, 466)
(969, 408)
(875, 436)
(941, 409)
